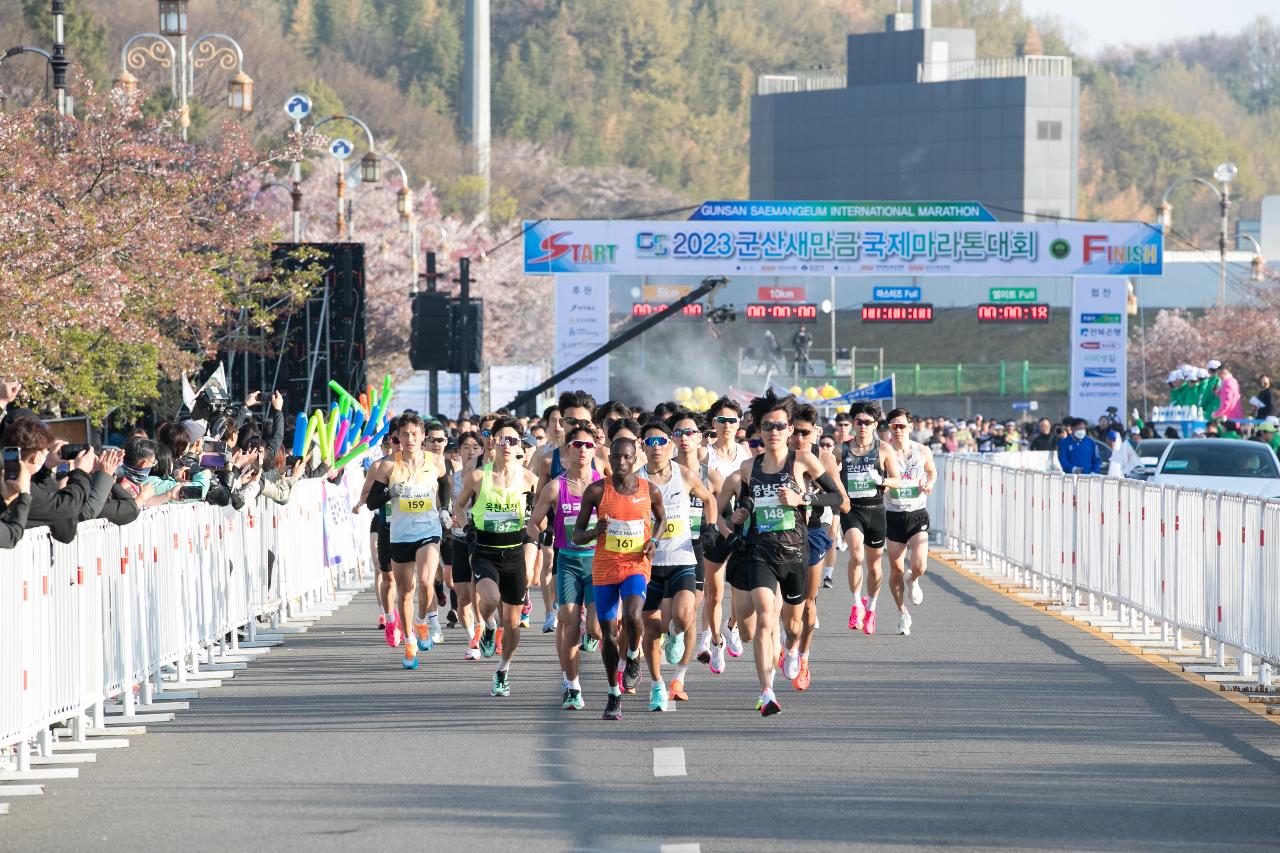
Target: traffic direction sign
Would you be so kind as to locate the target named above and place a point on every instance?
(297, 107)
(341, 148)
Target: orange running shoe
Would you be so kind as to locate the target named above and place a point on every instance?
(676, 691)
(801, 681)
(423, 634)
(410, 655)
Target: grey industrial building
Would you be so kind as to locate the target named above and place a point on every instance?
(919, 117)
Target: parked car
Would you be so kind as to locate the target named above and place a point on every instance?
(1220, 464)
(1149, 451)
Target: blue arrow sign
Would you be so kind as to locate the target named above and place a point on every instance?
(341, 148)
(298, 107)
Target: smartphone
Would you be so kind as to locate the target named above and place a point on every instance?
(213, 460)
(215, 447)
(190, 493)
(291, 460)
(71, 451)
(11, 457)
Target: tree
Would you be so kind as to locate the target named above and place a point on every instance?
(124, 252)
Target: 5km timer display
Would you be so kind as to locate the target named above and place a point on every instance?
(1004, 312)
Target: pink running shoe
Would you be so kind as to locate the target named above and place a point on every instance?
(869, 627)
(393, 632)
(857, 614)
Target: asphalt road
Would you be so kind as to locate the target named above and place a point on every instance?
(992, 726)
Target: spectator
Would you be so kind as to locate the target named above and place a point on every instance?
(59, 505)
(1229, 394)
(17, 492)
(1230, 429)
(1270, 433)
(1077, 452)
(1135, 436)
(1210, 385)
(1013, 436)
(801, 341)
(9, 391)
(949, 440)
(936, 442)
(1044, 439)
(988, 441)
(1123, 457)
(1262, 401)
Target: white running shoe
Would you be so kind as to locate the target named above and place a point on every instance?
(791, 664)
(733, 640)
(904, 623)
(917, 594)
(437, 635)
(703, 652)
(549, 624)
(717, 658)
(471, 654)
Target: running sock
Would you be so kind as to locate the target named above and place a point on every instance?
(672, 629)
(433, 619)
(575, 685)
(503, 665)
(653, 682)
(772, 672)
(871, 602)
(614, 689)
(680, 672)
(804, 656)
(827, 572)
(632, 654)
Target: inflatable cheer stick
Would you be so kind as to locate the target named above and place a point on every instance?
(360, 448)
(300, 434)
(340, 437)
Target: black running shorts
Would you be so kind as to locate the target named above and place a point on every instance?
(503, 566)
(869, 518)
(901, 526)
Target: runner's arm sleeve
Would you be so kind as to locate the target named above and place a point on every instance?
(378, 495)
(830, 494)
(444, 488)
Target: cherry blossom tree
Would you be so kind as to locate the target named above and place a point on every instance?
(127, 255)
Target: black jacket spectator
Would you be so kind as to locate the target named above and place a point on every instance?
(60, 505)
(14, 520)
(1044, 441)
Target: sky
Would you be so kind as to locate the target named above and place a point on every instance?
(1093, 25)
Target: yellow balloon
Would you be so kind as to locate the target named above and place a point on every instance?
(828, 392)
(699, 391)
(682, 395)
(795, 390)
(811, 393)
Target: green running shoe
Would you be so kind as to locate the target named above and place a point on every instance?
(658, 698)
(501, 685)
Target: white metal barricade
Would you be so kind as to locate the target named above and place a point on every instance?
(110, 612)
(1173, 559)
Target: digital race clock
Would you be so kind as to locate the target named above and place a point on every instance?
(889, 312)
(1013, 312)
(781, 312)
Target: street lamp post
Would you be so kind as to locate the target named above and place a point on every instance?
(370, 166)
(57, 60)
(404, 207)
(183, 62)
(1224, 175)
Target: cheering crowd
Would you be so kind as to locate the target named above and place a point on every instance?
(227, 458)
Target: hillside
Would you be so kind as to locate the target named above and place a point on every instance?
(664, 86)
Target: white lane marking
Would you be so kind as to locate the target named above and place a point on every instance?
(690, 847)
(668, 761)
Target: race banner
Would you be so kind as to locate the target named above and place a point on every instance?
(1099, 339)
(882, 390)
(582, 325)
(948, 248)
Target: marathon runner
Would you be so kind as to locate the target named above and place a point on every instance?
(907, 520)
(380, 545)
(559, 502)
(436, 443)
(627, 513)
(725, 456)
(539, 462)
(470, 448)
(687, 429)
(498, 495)
(869, 467)
(415, 482)
(831, 499)
(828, 444)
(774, 559)
(669, 605)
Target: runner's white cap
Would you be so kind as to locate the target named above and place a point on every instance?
(1174, 377)
(1213, 364)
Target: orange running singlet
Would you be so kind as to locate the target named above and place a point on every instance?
(620, 545)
